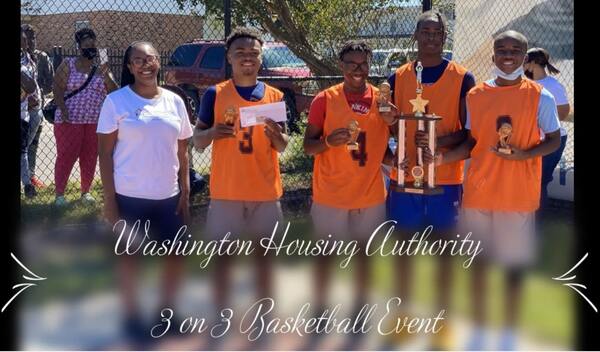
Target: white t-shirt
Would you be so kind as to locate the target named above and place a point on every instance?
(558, 91)
(145, 156)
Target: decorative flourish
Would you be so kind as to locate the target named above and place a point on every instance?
(575, 285)
(23, 286)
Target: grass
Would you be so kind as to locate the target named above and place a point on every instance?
(41, 209)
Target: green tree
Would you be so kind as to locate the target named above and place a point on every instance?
(312, 29)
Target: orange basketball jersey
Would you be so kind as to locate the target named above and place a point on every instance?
(245, 167)
(494, 183)
(444, 101)
(351, 179)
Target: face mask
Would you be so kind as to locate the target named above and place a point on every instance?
(496, 72)
(89, 53)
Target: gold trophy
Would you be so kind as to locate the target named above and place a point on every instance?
(354, 130)
(424, 178)
(384, 97)
(231, 116)
(504, 128)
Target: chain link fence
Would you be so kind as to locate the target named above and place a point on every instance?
(299, 57)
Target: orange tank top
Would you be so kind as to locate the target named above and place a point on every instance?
(444, 101)
(351, 179)
(245, 167)
(494, 183)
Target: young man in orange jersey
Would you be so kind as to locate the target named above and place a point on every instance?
(245, 183)
(445, 85)
(502, 188)
(348, 185)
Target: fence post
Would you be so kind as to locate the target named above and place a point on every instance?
(57, 56)
(227, 30)
(426, 5)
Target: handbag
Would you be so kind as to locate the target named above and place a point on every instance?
(49, 109)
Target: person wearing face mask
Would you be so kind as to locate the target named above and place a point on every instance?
(143, 134)
(502, 189)
(538, 60)
(77, 117)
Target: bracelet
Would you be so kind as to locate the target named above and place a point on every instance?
(326, 143)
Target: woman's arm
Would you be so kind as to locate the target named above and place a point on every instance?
(59, 87)
(106, 147)
(183, 207)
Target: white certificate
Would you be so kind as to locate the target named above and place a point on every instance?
(255, 115)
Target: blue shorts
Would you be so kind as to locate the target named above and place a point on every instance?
(414, 212)
(164, 223)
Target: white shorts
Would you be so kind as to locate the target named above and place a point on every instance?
(507, 238)
(355, 224)
(242, 218)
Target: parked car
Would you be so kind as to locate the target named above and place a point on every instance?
(199, 64)
(386, 61)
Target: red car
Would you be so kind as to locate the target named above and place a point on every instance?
(199, 64)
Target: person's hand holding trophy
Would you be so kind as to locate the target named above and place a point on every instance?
(337, 137)
(227, 129)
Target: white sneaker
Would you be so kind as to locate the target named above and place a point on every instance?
(60, 201)
(88, 198)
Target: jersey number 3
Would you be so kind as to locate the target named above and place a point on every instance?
(246, 142)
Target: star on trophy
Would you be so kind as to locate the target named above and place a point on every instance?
(354, 130)
(424, 178)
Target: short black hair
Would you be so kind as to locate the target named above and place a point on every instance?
(429, 15)
(243, 32)
(28, 29)
(512, 34)
(83, 34)
(355, 45)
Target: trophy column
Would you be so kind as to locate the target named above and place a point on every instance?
(431, 166)
(401, 149)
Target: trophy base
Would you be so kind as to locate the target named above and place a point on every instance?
(505, 150)
(385, 108)
(353, 146)
(409, 188)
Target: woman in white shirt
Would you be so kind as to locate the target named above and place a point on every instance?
(143, 134)
(538, 61)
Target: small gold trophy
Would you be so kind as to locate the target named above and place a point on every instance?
(504, 128)
(354, 130)
(424, 178)
(384, 97)
(231, 116)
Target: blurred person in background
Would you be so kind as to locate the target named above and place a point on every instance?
(29, 100)
(45, 76)
(536, 64)
(76, 119)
